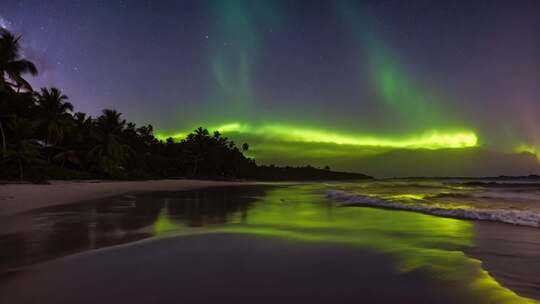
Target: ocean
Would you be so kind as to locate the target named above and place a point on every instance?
(512, 201)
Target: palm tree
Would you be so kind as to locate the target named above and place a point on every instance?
(146, 134)
(55, 118)
(82, 126)
(109, 151)
(68, 155)
(201, 134)
(12, 67)
(197, 148)
(22, 150)
(3, 109)
(77, 145)
(245, 147)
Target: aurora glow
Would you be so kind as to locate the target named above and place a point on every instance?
(346, 83)
(529, 149)
(429, 140)
(411, 102)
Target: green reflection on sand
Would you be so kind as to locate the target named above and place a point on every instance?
(418, 242)
(164, 223)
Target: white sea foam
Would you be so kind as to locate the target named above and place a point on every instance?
(516, 217)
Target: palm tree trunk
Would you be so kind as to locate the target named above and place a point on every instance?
(195, 167)
(48, 146)
(20, 170)
(3, 140)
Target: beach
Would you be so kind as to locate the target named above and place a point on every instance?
(192, 269)
(15, 198)
(204, 151)
(266, 243)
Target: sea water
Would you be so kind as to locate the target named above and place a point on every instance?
(502, 200)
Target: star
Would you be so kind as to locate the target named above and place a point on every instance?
(5, 24)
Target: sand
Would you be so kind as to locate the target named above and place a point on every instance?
(16, 198)
(224, 268)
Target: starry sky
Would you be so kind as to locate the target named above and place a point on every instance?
(389, 88)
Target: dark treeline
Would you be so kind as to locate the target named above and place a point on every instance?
(42, 137)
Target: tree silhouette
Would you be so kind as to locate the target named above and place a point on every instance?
(12, 66)
(39, 132)
(54, 118)
(22, 151)
(109, 150)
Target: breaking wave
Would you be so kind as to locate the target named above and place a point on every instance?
(516, 217)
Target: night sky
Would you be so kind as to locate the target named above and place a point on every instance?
(382, 87)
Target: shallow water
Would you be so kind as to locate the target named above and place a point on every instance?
(463, 261)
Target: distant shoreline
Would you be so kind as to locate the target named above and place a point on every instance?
(17, 198)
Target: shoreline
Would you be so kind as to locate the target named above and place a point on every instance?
(18, 198)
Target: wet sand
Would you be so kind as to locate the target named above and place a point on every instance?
(15, 198)
(218, 268)
(511, 254)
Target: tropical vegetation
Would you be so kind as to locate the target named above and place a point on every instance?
(42, 137)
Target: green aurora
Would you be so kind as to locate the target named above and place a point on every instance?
(397, 89)
(232, 57)
(428, 140)
(456, 152)
(421, 115)
(342, 83)
(230, 65)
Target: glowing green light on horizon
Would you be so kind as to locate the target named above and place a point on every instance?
(529, 149)
(289, 133)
